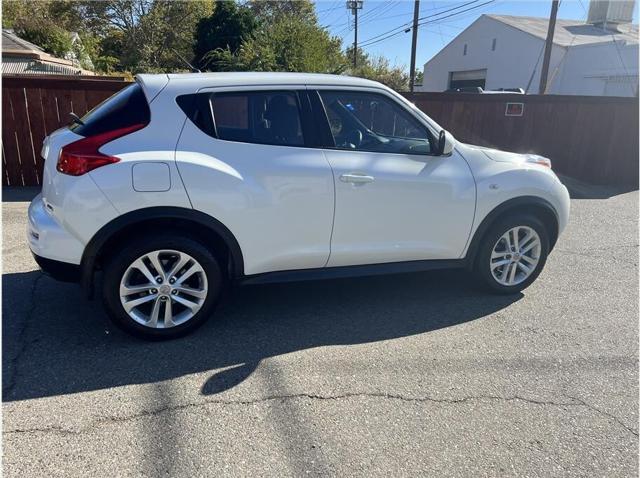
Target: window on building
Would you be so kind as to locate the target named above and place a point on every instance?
(493, 45)
(464, 51)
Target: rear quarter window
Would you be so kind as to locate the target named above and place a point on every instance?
(261, 117)
(126, 108)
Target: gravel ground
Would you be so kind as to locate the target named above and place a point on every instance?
(408, 375)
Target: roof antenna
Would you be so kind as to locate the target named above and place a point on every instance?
(191, 67)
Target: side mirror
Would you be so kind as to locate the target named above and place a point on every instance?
(446, 143)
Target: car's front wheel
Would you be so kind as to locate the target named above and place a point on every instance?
(512, 254)
(162, 287)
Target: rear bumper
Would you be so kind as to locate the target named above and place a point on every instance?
(48, 239)
(62, 271)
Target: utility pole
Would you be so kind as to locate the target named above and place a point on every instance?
(544, 74)
(414, 41)
(354, 6)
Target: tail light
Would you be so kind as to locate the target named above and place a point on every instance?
(82, 156)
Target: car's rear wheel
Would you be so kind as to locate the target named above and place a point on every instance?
(162, 287)
(512, 254)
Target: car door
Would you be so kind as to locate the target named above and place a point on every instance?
(395, 199)
(246, 159)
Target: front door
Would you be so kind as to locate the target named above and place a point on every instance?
(395, 200)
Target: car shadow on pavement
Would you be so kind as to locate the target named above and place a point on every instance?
(57, 342)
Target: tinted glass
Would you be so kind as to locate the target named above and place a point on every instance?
(265, 117)
(197, 107)
(126, 108)
(373, 122)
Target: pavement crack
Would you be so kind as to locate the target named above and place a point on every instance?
(22, 335)
(574, 402)
(606, 414)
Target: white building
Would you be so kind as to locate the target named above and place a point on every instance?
(501, 51)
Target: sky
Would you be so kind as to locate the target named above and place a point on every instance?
(378, 17)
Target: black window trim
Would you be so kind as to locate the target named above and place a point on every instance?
(324, 126)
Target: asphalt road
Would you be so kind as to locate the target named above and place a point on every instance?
(403, 375)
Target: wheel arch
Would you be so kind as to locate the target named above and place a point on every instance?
(534, 205)
(209, 230)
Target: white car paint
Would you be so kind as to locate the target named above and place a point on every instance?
(286, 206)
(276, 200)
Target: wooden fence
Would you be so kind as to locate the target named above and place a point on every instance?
(33, 107)
(591, 138)
(594, 139)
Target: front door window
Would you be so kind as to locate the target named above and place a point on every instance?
(372, 122)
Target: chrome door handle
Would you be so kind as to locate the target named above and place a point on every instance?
(356, 178)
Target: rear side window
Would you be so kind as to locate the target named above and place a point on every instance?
(263, 117)
(126, 108)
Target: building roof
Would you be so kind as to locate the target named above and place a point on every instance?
(13, 43)
(22, 57)
(30, 66)
(569, 32)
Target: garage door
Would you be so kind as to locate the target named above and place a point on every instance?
(469, 78)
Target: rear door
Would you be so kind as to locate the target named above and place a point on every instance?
(395, 199)
(246, 157)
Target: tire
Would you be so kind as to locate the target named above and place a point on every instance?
(199, 289)
(495, 243)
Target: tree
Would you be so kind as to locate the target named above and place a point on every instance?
(225, 30)
(377, 68)
(270, 10)
(419, 77)
(144, 34)
(46, 23)
(168, 28)
(288, 39)
(50, 37)
(130, 35)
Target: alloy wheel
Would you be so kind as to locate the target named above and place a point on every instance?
(163, 288)
(515, 255)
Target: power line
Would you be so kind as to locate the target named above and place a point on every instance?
(344, 26)
(335, 5)
(390, 35)
(404, 25)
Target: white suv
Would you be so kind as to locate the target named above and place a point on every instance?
(181, 183)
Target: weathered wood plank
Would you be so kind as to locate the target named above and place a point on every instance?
(12, 174)
(26, 157)
(38, 130)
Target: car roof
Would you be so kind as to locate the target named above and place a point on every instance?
(195, 81)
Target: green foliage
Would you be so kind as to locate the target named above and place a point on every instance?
(267, 11)
(377, 69)
(48, 36)
(292, 44)
(150, 35)
(224, 31)
(145, 35)
(288, 38)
